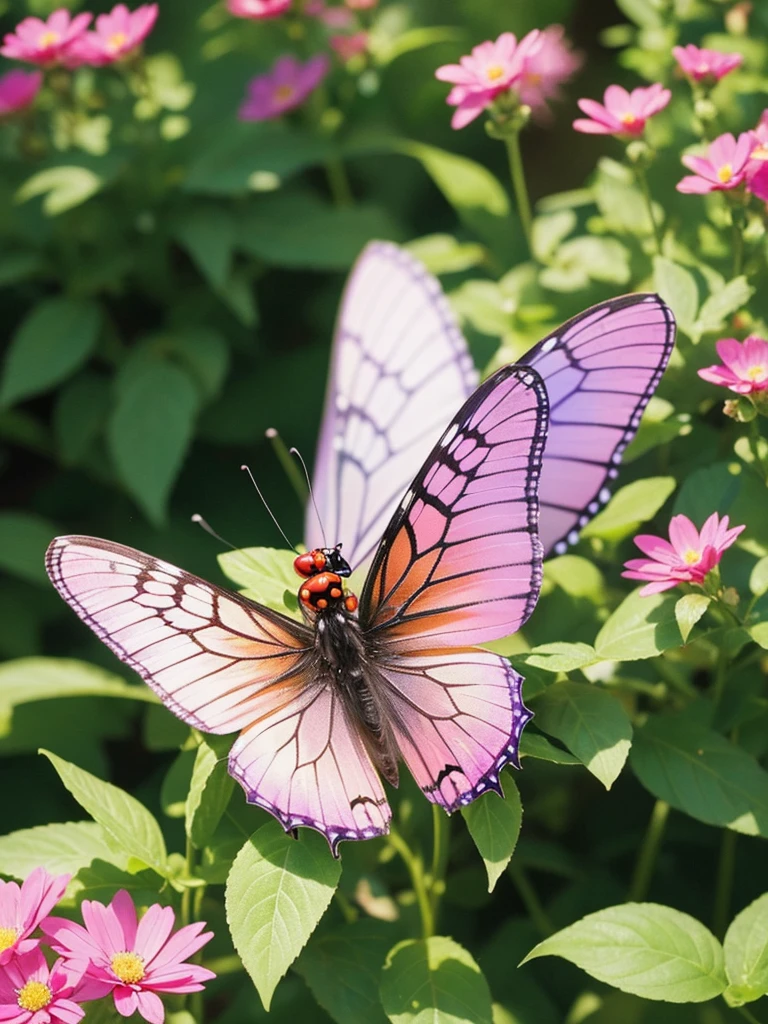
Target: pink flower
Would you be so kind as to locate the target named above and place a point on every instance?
(18, 90)
(757, 172)
(117, 35)
(490, 70)
(23, 908)
(361, 5)
(687, 559)
(745, 365)
(31, 993)
(347, 47)
(624, 114)
(258, 8)
(332, 17)
(286, 86)
(45, 42)
(547, 68)
(132, 960)
(725, 166)
(705, 65)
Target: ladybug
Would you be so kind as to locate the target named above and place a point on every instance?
(323, 570)
(313, 562)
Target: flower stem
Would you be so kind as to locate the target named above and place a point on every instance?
(755, 437)
(649, 851)
(517, 173)
(415, 866)
(440, 848)
(747, 1015)
(288, 463)
(724, 885)
(338, 182)
(527, 894)
(642, 182)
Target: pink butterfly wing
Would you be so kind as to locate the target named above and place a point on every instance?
(601, 369)
(400, 368)
(460, 562)
(223, 664)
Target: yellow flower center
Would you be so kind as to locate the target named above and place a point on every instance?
(48, 39)
(691, 557)
(627, 118)
(7, 938)
(283, 93)
(34, 996)
(494, 72)
(760, 153)
(758, 372)
(117, 41)
(129, 967)
(725, 173)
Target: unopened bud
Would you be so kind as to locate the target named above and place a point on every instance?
(705, 109)
(639, 152)
(730, 596)
(737, 19)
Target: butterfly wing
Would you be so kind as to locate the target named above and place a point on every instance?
(400, 368)
(460, 562)
(600, 369)
(225, 664)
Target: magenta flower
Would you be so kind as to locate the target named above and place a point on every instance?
(705, 65)
(757, 171)
(18, 90)
(283, 88)
(23, 908)
(361, 5)
(33, 993)
(117, 35)
(45, 42)
(258, 8)
(551, 64)
(347, 47)
(134, 960)
(725, 166)
(623, 113)
(331, 17)
(687, 559)
(490, 70)
(745, 365)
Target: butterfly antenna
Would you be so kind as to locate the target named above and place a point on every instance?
(247, 469)
(297, 454)
(198, 519)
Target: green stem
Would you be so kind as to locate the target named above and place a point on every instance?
(186, 896)
(747, 1015)
(289, 464)
(190, 911)
(517, 173)
(347, 909)
(527, 894)
(649, 851)
(755, 437)
(720, 674)
(724, 885)
(338, 182)
(415, 866)
(738, 248)
(441, 833)
(642, 181)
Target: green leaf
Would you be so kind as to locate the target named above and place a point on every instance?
(149, 432)
(620, 202)
(444, 254)
(209, 791)
(494, 824)
(643, 12)
(591, 723)
(208, 234)
(700, 772)
(265, 575)
(101, 880)
(641, 627)
(61, 848)
(746, 954)
(81, 410)
(759, 633)
(24, 538)
(550, 231)
(386, 48)
(577, 576)
(758, 579)
(343, 970)
(678, 289)
(277, 891)
(722, 304)
(126, 822)
(434, 981)
(466, 185)
(629, 507)
(533, 744)
(559, 657)
(49, 345)
(63, 188)
(587, 258)
(645, 949)
(688, 611)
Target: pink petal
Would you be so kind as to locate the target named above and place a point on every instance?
(592, 127)
(68, 1012)
(694, 186)
(711, 529)
(722, 150)
(123, 911)
(701, 166)
(656, 548)
(70, 938)
(103, 926)
(150, 1007)
(154, 928)
(10, 898)
(126, 1001)
(455, 74)
(617, 101)
(183, 944)
(683, 535)
(657, 588)
(467, 111)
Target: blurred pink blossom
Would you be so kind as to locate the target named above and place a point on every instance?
(45, 42)
(33, 993)
(551, 64)
(744, 366)
(133, 960)
(117, 35)
(258, 8)
(687, 559)
(490, 70)
(18, 90)
(725, 166)
(283, 88)
(333, 17)
(22, 908)
(347, 47)
(361, 5)
(705, 65)
(623, 113)
(757, 172)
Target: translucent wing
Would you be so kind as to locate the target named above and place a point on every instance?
(400, 369)
(224, 664)
(600, 369)
(460, 562)
(457, 716)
